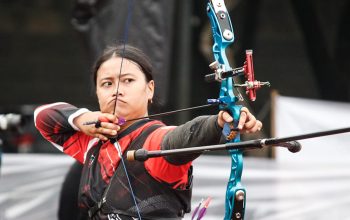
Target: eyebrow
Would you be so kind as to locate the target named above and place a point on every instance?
(126, 74)
(113, 76)
(106, 78)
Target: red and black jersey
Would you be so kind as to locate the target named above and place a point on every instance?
(55, 123)
(166, 179)
(155, 199)
(101, 158)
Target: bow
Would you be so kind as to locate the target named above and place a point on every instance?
(223, 36)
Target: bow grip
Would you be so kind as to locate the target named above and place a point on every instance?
(230, 130)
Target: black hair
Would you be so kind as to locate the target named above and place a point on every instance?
(126, 52)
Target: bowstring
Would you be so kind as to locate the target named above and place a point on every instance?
(125, 39)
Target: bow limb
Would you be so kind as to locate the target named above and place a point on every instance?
(223, 36)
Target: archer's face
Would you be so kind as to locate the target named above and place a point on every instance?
(133, 93)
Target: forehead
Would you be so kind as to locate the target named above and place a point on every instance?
(112, 66)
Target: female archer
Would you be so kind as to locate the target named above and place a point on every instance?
(112, 187)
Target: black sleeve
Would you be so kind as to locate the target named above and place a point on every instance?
(203, 130)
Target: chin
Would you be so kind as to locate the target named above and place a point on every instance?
(122, 115)
(107, 110)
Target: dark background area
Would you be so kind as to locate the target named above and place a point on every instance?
(47, 48)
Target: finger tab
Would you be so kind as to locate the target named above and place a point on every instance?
(98, 124)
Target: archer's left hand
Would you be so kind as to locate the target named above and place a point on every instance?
(247, 121)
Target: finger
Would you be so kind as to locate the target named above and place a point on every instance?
(250, 123)
(252, 129)
(257, 127)
(107, 131)
(245, 109)
(101, 137)
(260, 125)
(227, 117)
(105, 117)
(242, 120)
(220, 120)
(110, 125)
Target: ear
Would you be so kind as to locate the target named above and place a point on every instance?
(150, 89)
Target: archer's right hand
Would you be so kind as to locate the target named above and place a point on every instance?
(107, 124)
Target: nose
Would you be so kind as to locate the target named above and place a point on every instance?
(119, 91)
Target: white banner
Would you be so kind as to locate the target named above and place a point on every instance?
(295, 116)
(30, 186)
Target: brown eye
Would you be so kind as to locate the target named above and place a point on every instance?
(128, 80)
(106, 84)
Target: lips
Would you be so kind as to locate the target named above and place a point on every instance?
(119, 100)
(112, 107)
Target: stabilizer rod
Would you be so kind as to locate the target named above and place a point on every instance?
(289, 142)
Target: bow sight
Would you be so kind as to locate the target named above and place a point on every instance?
(251, 85)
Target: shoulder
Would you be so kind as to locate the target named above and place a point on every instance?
(156, 126)
(156, 130)
(160, 129)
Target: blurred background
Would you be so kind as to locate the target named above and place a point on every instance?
(47, 49)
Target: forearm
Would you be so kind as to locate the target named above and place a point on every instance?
(203, 130)
(54, 121)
